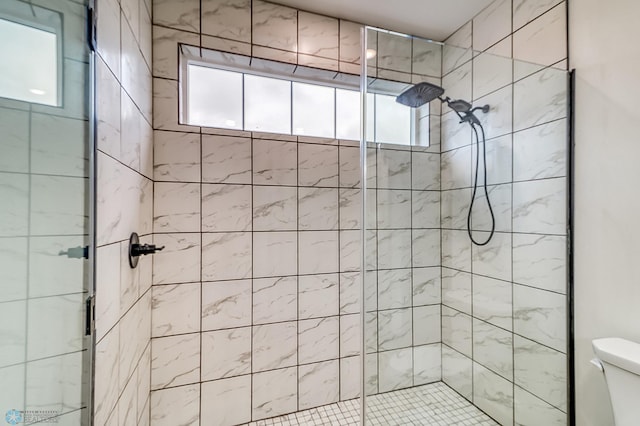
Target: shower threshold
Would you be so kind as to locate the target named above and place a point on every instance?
(432, 404)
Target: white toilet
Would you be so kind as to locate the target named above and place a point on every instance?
(620, 361)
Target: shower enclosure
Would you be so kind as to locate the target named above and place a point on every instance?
(44, 212)
(489, 321)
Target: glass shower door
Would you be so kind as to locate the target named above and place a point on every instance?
(465, 314)
(402, 342)
(44, 212)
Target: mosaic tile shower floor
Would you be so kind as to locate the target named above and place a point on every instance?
(433, 404)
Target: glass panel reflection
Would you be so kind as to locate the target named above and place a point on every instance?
(29, 70)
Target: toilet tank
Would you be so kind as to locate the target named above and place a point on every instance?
(620, 359)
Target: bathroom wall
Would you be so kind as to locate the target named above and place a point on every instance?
(43, 188)
(606, 208)
(255, 299)
(503, 315)
(124, 205)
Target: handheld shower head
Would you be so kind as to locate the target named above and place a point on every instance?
(420, 94)
(459, 105)
(423, 93)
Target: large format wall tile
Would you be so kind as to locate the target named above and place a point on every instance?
(226, 353)
(394, 289)
(543, 41)
(175, 361)
(493, 394)
(425, 171)
(275, 300)
(494, 259)
(426, 320)
(317, 209)
(226, 256)
(274, 26)
(274, 346)
(274, 393)
(227, 159)
(395, 369)
(540, 261)
(229, 19)
(490, 73)
(176, 207)
(457, 49)
(427, 362)
(317, 35)
(492, 24)
(539, 206)
(492, 301)
(525, 11)
(15, 143)
(394, 52)
(318, 296)
(541, 371)
(226, 208)
(226, 304)
(318, 339)
(530, 410)
(176, 156)
(394, 249)
(175, 309)
(493, 348)
(457, 371)
(458, 83)
(456, 290)
(539, 98)
(540, 316)
(427, 58)
(319, 384)
(426, 284)
(165, 45)
(499, 120)
(174, 406)
(456, 250)
(228, 401)
(181, 14)
(540, 152)
(456, 330)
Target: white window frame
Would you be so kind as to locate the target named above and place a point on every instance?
(278, 70)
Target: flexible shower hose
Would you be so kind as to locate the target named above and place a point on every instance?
(475, 186)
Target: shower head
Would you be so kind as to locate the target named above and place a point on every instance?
(459, 105)
(420, 94)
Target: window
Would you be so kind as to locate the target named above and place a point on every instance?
(216, 101)
(314, 110)
(347, 122)
(30, 44)
(264, 100)
(392, 121)
(267, 104)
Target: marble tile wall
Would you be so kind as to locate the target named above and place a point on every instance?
(504, 304)
(255, 305)
(124, 205)
(255, 300)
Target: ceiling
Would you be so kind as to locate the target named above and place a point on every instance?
(433, 19)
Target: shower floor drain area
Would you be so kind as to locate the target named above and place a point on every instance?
(433, 404)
